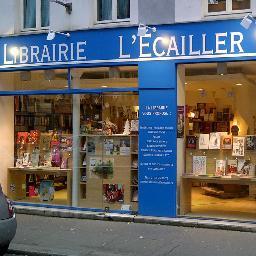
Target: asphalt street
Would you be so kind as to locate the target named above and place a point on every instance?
(59, 236)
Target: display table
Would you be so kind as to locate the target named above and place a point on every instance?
(16, 180)
(186, 187)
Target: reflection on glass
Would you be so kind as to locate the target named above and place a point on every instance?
(104, 10)
(43, 149)
(240, 4)
(109, 151)
(216, 6)
(123, 9)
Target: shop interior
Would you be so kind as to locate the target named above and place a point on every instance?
(220, 140)
(103, 126)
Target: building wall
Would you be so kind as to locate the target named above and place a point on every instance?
(188, 11)
(156, 12)
(8, 14)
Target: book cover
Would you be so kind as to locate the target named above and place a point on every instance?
(45, 141)
(232, 167)
(108, 146)
(214, 142)
(46, 190)
(134, 125)
(203, 141)
(250, 142)
(191, 142)
(125, 147)
(226, 142)
(220, 167)
(238, 146)
(22, 137)
(113, 193)
(243, 166)
(199, 165)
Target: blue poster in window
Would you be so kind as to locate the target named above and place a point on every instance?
(157, 153)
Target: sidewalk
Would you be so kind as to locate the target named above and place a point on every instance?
(184, 221)
(84, 233)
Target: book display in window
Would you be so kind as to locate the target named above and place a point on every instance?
(250, 142)
(203, 141)
(220, 167)
(226, 142)
(244, 167)
(206, 119)
(214, 142)
(232, 167)
(113, 193)
(191, 141)
(199, 165)
(238, 146)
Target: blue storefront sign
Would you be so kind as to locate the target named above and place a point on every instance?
(157, 54)
(218, 39)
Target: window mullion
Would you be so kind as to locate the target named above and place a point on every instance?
(229, 6)
(38, 14)
(114, 10)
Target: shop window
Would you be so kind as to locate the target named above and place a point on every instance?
(228, 6)
(109, 151)
(35, 14)
(100, 146)
(113, 10)
(106, 142)
(220, 159)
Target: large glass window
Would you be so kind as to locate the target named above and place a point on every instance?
(113, 10)
(35, 14)
(220, 138)
(90, 138)
(228, 6)
(109, 150)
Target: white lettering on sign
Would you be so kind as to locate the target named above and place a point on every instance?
(184, 45)
(44, 54)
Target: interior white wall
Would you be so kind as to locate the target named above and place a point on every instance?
(180, 141)
(6, 129)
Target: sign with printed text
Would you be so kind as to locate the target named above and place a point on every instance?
(157, 153)
(206, 40)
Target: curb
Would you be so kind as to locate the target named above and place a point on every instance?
(18, 249)
(33, 253)
(182, 221)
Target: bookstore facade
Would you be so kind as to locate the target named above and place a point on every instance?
(161, 124)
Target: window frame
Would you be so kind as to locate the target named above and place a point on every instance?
(113, 12)
(228, 11)
(38, 18)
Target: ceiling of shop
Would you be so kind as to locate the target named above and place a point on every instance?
(204, 76)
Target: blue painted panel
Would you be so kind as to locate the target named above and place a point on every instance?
(151, 71)
(157, 153)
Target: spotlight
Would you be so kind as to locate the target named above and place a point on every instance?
(247, 21)
(143, 29)
(51, 35)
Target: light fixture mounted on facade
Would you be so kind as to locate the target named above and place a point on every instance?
(247, 21)
(143, 29)
(51, 35)
(68, 5)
